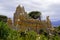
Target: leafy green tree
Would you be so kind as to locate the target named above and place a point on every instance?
(35, 15)
(6, 33)
(4, 30)
(3, 18)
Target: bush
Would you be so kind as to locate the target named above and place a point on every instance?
(6, 33)
(3, 18)
(4, 30)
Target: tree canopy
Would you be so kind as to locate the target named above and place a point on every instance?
(35, 14)
(3, 18)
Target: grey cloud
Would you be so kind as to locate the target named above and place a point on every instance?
(55, 8)
(8, 8)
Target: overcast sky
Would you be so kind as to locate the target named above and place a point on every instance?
(46, 7)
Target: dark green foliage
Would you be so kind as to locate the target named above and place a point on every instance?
(7, 33)
(22, 34)
(41, 31)
(35, 14)
(58, 27)
(3, 18)
(4, 30)
(46, 34)
(31, 35)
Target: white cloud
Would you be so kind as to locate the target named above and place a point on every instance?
(7, 7)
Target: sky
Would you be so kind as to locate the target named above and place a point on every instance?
(46, 7)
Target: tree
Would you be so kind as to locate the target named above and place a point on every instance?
(7, 33)
(3, 18)
(35, 15)
(4, 30)
(58, 27)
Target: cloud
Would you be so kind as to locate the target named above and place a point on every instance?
(46, 7)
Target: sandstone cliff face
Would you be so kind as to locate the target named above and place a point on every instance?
(9, 22)
(22, 21)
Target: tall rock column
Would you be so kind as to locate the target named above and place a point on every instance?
(48, 22)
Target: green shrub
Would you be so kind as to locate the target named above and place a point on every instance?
(4, 30)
